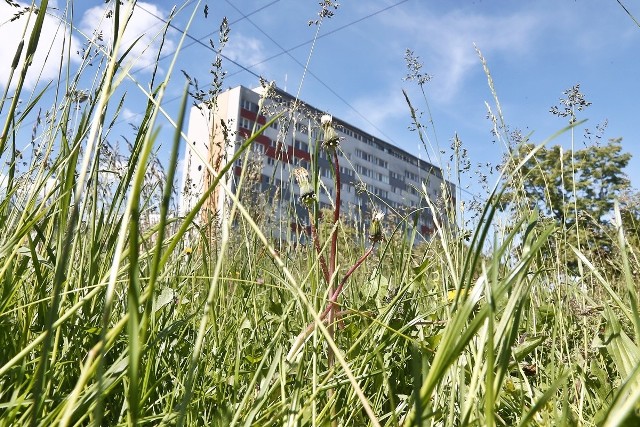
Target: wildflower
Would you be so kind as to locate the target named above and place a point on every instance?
(188, 250)
(331, 138)
(375, 228)
(452, 294)
(509, 385)
(307, 194)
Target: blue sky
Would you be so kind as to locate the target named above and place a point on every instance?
(534, 49)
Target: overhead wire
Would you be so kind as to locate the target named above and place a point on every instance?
(311, 73)
(328, 33)
(195, 41)
(200, 42)
(284, 51)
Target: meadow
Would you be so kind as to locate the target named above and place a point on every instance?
(115, 310)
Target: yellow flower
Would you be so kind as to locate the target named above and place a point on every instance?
(451, 295)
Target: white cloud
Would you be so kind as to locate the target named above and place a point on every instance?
(146, 23)
(380, 107)
(54, 42)
(129, 115)
(245, 50)
(445, 42)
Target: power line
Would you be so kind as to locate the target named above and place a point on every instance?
(335, 30)
(288, 53)
(199, 41)
(284, 52)
(194, 41)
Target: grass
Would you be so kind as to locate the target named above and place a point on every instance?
(107, 318)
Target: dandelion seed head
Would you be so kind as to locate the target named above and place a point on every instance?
(326, 119)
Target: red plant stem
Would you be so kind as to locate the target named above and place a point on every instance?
(334, 296)
(316, 244)
(332, 265)
(336, 215)
(332, 255)
(334, 243)
(354, 267)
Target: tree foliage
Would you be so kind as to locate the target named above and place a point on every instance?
(576, 190)
(560, 184)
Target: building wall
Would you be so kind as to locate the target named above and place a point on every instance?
(207, 148)
(392, 177)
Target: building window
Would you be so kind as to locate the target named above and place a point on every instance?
(411, 175)
(362, 170)
(245, 123)
(362, 155)
(250, 106)
(342, 154)
(377, 191)
(346, 171)
(381, 163)
(303, 146)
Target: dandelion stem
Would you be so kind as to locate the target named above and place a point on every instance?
(316, 244)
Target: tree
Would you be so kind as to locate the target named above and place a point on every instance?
(576, 192)
(575, 189)
(555, 186)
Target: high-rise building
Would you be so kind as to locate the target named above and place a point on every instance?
(374, 174)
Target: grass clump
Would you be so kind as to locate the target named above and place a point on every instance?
(114, 310)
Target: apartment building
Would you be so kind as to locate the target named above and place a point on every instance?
(374, 174)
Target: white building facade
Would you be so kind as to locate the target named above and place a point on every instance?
(374, 174)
